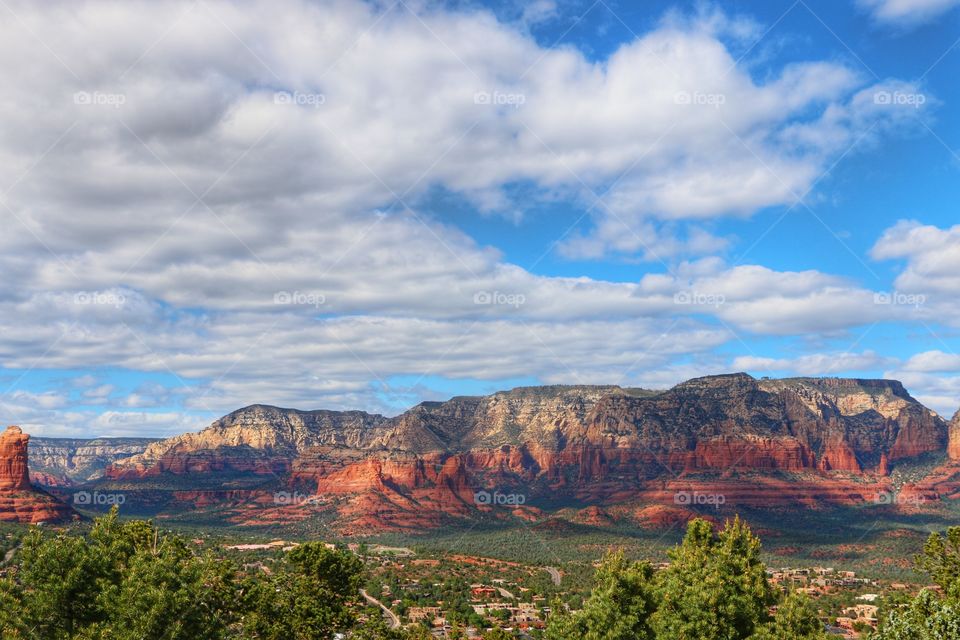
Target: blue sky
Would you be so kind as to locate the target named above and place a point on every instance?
(366, 205)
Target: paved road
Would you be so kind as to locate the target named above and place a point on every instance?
(9, 555)
(390, 615)
(554, 575)
(505, 593)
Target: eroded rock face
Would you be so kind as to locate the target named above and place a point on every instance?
(953, 447)
(14, 471)
(64, 462)
(257, 439)
(19, 501)
(600, 444)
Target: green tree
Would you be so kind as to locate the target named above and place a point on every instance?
(619, 608)
(941, 559)
(926, 618)
(716, 586)
(796, 619)
(12, 624)
(168, 594)
(375, 629)
(417, 632)
(126, 580)
(56, 586)
(308, 600)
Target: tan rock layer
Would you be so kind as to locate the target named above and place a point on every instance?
(839, 439)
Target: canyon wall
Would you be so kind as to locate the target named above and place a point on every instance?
(953, 448)
(64, 462)
(797, 441)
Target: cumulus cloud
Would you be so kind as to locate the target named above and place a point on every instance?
(932, 258)
(907, 12)
(814, 364)
(933, 362)
(200, 194)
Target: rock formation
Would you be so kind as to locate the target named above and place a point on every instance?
(19, 501)
(953, 447)
(14, 471)
(64, 462)
(838, 439)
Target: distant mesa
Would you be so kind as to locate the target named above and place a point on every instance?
(19, 500)
(731, 440)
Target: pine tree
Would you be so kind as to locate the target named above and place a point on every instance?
(796, 619)
(619, 607)
(716, 586)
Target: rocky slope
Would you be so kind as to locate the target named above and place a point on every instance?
(64, 462)
(765, 443)
(953, 448)
(19, 501)
(257, 439)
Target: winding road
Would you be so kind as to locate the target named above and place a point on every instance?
(390, 615)
(554, 574)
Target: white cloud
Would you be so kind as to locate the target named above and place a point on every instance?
(932, 258)
(97, 395)
(907, 12)
(44, 400)
(814, 364)
(111, 134)
(933, 362)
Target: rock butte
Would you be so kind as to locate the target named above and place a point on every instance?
(810, 442)
(19, 501)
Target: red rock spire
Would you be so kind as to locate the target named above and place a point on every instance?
(14, 473)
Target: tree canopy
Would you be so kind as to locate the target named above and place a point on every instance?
(129, 581)
(930, 616)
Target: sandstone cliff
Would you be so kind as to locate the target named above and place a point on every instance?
(14, 471)
(64, 462)
(836, 440)
(953, 448)
(257, 439)
(19, 501)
